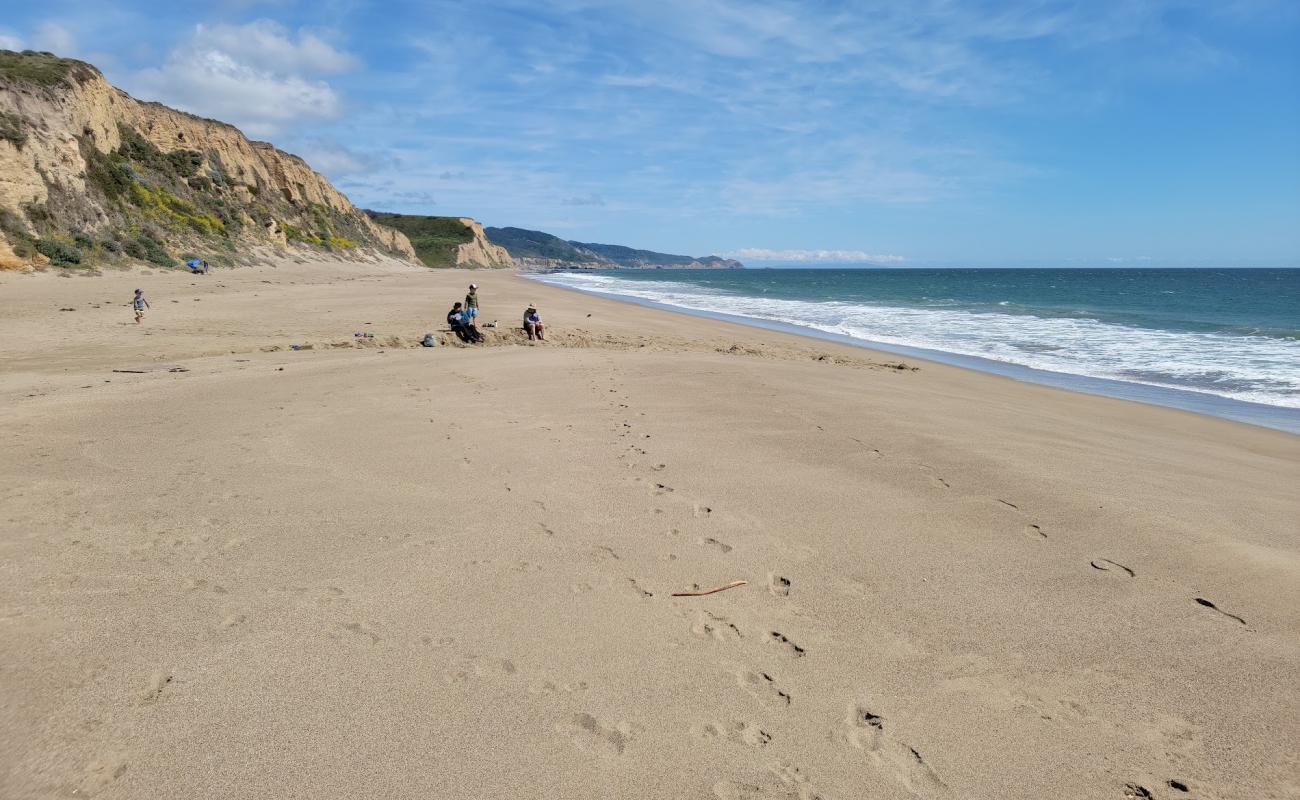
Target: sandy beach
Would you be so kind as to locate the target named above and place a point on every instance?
(371, 569)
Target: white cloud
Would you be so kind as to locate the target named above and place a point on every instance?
(335, 160)
(9, 40)
(213, 84)
(55, 38)
(590, 199)
(256, 76)
(765, 254)
(267, 45)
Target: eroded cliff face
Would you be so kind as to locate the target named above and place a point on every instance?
(481, 253)
(87, 167)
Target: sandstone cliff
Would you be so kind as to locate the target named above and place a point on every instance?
(88, 174)
(447, 241)
(479, 252)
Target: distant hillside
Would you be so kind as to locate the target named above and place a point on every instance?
(446, 241)
(91, 176)
(539, 249)
(536, 246)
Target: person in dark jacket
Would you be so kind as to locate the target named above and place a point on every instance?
(456, 321)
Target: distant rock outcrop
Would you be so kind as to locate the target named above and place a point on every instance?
(90, 175)
(447, 241)
(539, 250)
(480, 251)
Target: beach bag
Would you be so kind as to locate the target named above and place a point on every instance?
(428, 340)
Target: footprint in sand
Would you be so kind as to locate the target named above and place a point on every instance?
(360, 630)
(935, 480)
(590, 736)
(1211, 605)
(1106, 565)
(710, 626)
(740, 731)
(795, 780)
(874, 452)
(787, 644)
(779, 784)
(548, 687)
(638, 590)
(745, 790)
(764, 687)
(867, 731)
(709, 541)
(1034, 532)
(602, 553)
(778, 585)
(98, 774)
(158, 683)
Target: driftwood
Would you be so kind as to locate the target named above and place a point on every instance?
(703, 592)
(155, 368)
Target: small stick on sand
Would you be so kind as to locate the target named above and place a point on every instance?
(723, 588)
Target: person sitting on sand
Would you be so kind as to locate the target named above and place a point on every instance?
(456, 321)
(139, 304)
(533, 324)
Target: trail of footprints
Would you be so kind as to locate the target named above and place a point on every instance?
(782, 779)
(862, 728)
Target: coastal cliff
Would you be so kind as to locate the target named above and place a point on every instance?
(90, 175)
(447, 241)
(543, 251)
(479, 251)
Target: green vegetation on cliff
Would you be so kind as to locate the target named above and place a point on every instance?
(435, 239)
(12, 129)
(40, 68)
(162, 194)
(540, 247)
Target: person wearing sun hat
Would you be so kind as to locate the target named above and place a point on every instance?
(533, 324)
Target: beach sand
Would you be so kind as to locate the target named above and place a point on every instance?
(371, 569)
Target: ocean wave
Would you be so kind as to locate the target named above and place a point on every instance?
(1255, 369)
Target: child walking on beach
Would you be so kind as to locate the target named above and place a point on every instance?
(139, 304)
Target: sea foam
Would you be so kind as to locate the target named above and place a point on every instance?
(1255, 369)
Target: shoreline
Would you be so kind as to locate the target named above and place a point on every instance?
(1281, 418)
(371, 568)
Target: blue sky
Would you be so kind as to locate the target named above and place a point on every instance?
(1092, 133)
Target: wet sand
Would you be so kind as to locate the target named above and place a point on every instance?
(372, 569)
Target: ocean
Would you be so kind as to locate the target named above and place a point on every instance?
(1218, 341)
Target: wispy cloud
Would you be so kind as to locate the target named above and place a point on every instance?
(803, 256)
(592, 199)
(55, 38)
(702, 124)
(259, 76)
(267, 45)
